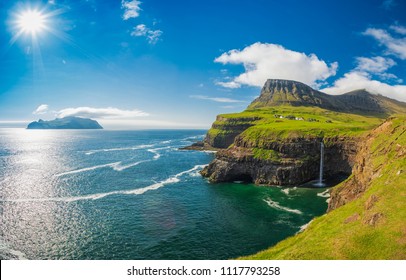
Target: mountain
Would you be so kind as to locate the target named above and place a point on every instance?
(65, 123)
(286, 92)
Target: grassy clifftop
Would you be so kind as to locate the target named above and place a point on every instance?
(371, 223)
(281, 122)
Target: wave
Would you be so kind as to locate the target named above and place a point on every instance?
(119, 149)
(156, 154)
(171, 180)
(326, 193)
(275, 205)
(285, 191)
(114, 164)
(195, 137)
(305, 226)
(119, 167)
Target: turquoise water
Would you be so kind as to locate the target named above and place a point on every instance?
(133, 195)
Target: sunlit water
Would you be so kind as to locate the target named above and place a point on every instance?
(133, 195)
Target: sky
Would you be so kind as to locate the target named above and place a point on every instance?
(153, 64)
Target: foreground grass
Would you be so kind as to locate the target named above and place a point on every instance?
(347, 232)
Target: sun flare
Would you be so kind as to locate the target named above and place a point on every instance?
(31, 21)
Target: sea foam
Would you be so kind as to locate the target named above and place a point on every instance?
(139, 147)
(113, 164)
(275, 205)
(326, 193)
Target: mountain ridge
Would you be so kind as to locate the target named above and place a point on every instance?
(277, 92)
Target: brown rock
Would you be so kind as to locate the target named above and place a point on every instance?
(352, 218)
(371, 202)
(374, 219)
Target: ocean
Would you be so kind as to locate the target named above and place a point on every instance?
(100, 194)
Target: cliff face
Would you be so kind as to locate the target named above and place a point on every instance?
(276, 141)
(224, 130)
(367, 214)
(364, 171)
(291, 162)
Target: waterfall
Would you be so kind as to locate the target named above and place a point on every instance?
(320, 183)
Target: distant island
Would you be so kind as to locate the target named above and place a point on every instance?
(65, 123)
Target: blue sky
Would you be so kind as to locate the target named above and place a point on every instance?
(177, 64)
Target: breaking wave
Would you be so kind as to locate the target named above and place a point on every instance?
(114, 164)
(139, 147)
(171, 180)
(326, 193)
(275, 205)
(285, 191)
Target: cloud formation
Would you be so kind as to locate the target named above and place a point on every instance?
(395, 46)
(131, 9)
(216, 99)
(360, 80)
(101, 113)
(361, 77)
(270, 61)
(377, 64)
(370, 73)
(141, 30)
(42, 109)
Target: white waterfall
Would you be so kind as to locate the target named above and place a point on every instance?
(320, 183)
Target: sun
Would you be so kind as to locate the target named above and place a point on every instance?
(31, 21)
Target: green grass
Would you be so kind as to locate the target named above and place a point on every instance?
(332, 236)
(266, 127)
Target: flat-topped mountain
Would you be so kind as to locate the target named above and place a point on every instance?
(286, 92)
(65, 123)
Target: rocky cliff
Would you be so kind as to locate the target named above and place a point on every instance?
(366, 168)
(276, 141)
(366, 217)
(291, 162)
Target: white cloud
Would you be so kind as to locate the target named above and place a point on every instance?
(131, 9)
(361, 80)
(270, 61)
(231, 84)
(42, 109)
(377, 64)
(216, 99)
(394, 46)
(398, 29)
(141, 30)
(108, 113)
(361, 77)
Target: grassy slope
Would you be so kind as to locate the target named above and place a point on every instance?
(271, 128)
(335, 236)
